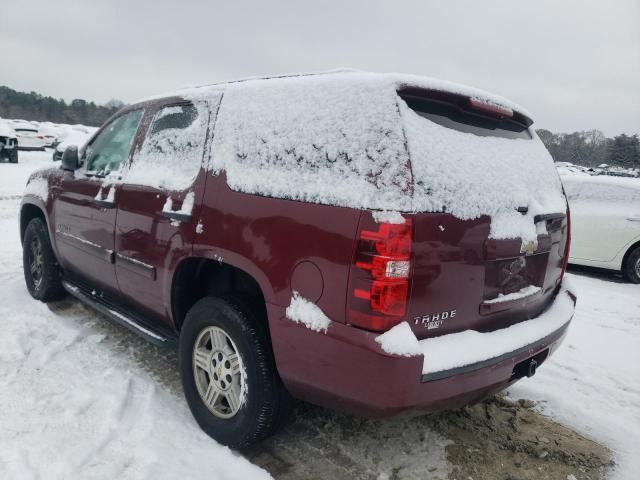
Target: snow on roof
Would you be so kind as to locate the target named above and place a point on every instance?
(6, 130)
(348, 139)
(399, 79)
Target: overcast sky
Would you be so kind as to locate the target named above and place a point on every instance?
(574, 64)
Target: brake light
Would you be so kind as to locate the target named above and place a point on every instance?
(380, 279)
(567, 245)
(490, 107)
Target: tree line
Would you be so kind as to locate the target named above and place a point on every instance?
(592, 148)
(33, 106)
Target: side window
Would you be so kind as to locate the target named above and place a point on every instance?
(112, 146)
(172, 152)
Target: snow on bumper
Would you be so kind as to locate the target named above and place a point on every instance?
(468, 348)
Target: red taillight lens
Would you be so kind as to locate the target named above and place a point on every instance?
(380, 279)
(567, 245)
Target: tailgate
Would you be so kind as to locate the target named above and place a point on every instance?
(463, 279)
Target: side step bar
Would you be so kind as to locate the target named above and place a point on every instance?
(120, 317)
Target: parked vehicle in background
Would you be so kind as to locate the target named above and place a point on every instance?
(605, 219)
(323, 236)
(50, 132)
(72, 138)
(8, 143)
(29, 138)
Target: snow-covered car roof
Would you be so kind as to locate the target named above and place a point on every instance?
(73, 137)
(397, 80)
(349, 139)
(6, 130)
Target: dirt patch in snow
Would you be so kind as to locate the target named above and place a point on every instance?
(501, 439)
(494, 440)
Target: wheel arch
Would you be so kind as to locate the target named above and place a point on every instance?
(628, 252)
(197, 277)
(29, 211)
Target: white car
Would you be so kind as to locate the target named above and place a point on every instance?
(605, 222)
(29, 137)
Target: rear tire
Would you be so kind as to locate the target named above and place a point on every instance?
(42, 273)
(216, 336)
(631, 267)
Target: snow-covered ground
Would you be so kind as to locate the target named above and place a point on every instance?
(79, 402)
(74, 403)
(592, 383)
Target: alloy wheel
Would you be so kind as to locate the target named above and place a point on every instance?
(36, 265)
(218, 372)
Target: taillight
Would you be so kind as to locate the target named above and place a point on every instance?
(379, 283)
(567, 245)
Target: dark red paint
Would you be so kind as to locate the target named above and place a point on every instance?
(288, 245)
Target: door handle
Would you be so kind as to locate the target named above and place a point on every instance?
(183, 214)
(633, 219)
(108, 201)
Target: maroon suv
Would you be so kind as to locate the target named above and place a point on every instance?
(372, 243)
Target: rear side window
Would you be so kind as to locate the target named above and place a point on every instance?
(452, 116)
(112, 145)
(172, 152)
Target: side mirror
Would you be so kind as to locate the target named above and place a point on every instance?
(70, 159)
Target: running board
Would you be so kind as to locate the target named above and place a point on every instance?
(120, 317)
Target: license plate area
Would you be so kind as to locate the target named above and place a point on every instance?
(509, 275)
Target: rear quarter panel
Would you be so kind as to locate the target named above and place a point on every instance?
(268, 238)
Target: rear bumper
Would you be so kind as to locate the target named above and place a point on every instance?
(347, 370)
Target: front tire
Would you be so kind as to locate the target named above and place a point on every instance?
(13, 157)
(228, 373)
(42, 273)
(631, 267)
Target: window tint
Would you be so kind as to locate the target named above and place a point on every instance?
(112, 146)
(171, 155)
(450, 116)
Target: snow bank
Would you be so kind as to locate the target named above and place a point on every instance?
(468, 347)
(347, 139)
(400, 340)
(301, 310)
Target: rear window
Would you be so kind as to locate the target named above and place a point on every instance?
(453, 116)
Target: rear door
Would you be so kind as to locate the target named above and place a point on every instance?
(159, 203)
(605, 217)
(85, 218)
(472, 270)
